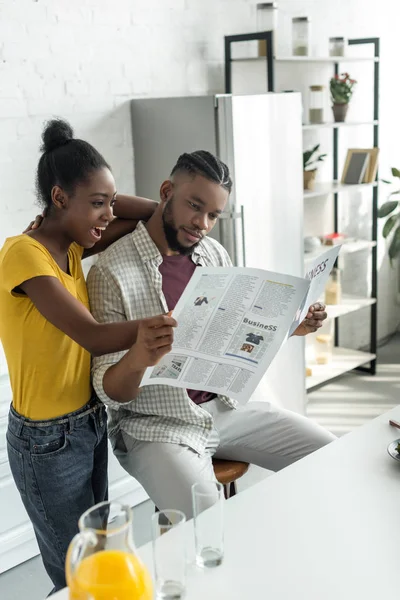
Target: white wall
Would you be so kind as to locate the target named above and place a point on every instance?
(83, 60)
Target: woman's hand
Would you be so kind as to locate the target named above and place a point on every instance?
(154, 339)
(36, 223)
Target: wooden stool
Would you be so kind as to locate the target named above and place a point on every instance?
(228, 472)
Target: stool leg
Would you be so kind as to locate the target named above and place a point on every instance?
(226, 490)
(232, 489)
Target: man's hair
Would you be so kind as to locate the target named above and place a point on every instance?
(206, 164)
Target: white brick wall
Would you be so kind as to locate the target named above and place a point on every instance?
(84, 59)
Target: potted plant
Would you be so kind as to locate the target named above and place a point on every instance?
(310, 160)
(341, 87)
(391, 207)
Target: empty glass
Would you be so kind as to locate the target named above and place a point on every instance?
(169, 552)
(208, 512)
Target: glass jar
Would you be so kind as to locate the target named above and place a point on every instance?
(316, 106)
(333, 289)
(336, 46)
(323, 348)
(301, 36)
(267, 18)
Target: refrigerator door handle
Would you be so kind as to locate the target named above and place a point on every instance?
(229, 233)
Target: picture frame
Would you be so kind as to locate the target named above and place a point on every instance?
(372, 169)
(355, 166)
(360, 166)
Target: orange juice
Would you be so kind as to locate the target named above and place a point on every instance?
(111, 575)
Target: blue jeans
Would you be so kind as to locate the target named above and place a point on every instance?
(60, 469)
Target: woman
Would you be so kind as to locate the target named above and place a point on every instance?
(56, 438)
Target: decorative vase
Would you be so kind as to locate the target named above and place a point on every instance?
(309, 179)
(340, 112)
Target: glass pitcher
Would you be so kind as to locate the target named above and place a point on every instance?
(102, 563)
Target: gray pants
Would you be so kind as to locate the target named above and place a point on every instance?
(258, 433)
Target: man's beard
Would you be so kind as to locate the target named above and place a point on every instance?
(171, 233)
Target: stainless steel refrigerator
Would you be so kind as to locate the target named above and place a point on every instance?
(260, 138)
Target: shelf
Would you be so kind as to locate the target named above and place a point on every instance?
(327, 59)
(334, 187)
(307, 59)
(344, 360)
(357, 246)
(347, 248)
(348, 305)
(334, 125)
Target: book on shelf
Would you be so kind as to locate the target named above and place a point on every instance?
(332, 239)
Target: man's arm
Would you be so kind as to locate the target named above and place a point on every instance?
(117, 376)
(314, 320)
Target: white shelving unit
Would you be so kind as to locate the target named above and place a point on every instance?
(344, 360)
(335, 187)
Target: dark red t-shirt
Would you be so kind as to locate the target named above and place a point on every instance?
(176, 272)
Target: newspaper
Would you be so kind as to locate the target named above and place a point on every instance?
(317, 272)
(231, 324)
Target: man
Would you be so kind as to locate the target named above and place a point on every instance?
(163, 436)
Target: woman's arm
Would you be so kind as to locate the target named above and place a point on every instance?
(69, 315)
(128, 210)
(133, 207)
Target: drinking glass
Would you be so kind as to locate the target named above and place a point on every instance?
(208, 512)
(169, 553)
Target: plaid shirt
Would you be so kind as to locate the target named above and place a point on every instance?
(125, 284)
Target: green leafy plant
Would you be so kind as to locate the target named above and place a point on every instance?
(389, 228)
(342, 87)
(311, 158)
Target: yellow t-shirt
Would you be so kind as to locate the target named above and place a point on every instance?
(49, 372)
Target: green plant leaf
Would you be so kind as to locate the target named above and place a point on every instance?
(394, 248)
(308, 156)
(387, 208)
(390, 223)
(395, 172)
(394, 193)
(386, 181)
